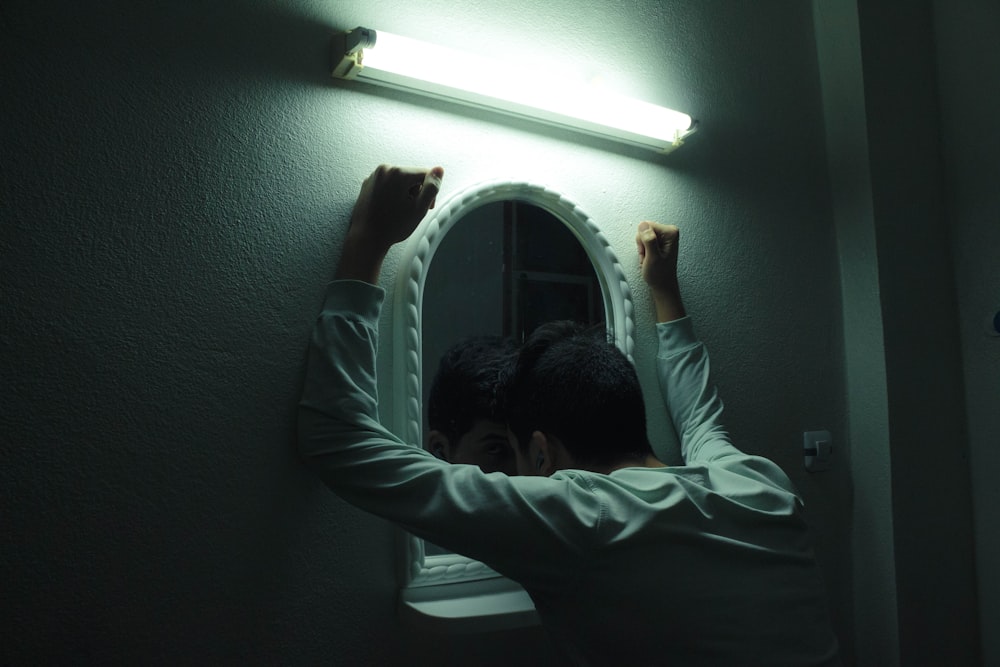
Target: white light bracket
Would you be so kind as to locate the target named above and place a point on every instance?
(469, 79)
(348, 51)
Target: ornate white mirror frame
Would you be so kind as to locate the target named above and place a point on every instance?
(420, 570)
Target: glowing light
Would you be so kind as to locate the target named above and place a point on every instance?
(540, 94)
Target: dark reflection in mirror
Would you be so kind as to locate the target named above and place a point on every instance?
(502, 270)
(550, 275)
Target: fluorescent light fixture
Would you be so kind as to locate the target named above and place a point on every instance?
(399, 62)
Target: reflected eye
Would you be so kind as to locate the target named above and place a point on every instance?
(498, 449)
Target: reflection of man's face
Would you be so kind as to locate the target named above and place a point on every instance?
(486, 446)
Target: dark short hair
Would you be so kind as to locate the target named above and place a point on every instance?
(467, 386)
(573, 383)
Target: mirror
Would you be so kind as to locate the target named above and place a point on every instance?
(502, 270)
(551, 262)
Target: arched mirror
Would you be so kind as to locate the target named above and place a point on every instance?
(498, 258)
(502, 270)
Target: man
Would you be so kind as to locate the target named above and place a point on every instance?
(628, 562)
(463, 407)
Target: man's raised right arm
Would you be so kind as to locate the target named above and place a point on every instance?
(682, 360)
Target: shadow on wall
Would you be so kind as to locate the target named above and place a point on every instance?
(153, 40)
(155, 305)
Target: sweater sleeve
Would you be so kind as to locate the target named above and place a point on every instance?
(691, 398)
(696, 409)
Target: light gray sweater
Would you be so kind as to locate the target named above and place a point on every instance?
(708, 563)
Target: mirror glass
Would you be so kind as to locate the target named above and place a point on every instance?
(503, 269)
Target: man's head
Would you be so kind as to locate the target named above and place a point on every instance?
(574, 400)
(463, 410)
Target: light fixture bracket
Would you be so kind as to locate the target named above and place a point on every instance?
(348, 51)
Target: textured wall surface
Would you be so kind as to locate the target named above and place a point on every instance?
(176, 180)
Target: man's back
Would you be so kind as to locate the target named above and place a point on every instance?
(691, 565)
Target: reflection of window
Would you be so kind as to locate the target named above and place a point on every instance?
(547, 273)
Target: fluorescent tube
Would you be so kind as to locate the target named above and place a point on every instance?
(400, 62)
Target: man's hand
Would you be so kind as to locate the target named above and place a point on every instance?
(658, 245)
(392, 202)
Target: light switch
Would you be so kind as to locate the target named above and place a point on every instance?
(817, 447)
